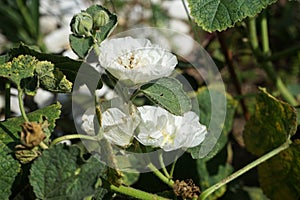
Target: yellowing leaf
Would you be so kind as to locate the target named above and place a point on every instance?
(273, 123)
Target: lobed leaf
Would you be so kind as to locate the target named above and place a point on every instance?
(9, 168)
(68, 66)
(168, 93)
(28, 73)
(218, 15)
(19, 69)
(58, 174)
(273, 123)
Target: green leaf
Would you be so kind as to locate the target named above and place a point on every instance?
(102, 32)
(81, 45)
(129, 178)
(207, 179)
(9, 129)
(273, 123)
(19, 69)
(4, 59)
(29, 73)
(9, 168)
(61, 165)
(52, 80)
(218, 15)
(203, 97)
(168, 93)
(68, 66)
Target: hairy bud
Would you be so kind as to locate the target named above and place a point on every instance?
(82, 24)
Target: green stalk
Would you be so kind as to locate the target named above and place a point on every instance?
(139, 194)
(74, 136)
(172, 168)
(269, 66)
(248, 167)
(162, 164)
(266, 53)
(161, 176)
(7, 100)
(43, 145)
(253, 34)
(21, 105)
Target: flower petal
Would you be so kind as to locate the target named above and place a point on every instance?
(159, 128)
(136, 61)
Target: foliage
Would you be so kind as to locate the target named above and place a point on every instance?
(34, 162)
(61, 164)
(221, 14)
(267, 130)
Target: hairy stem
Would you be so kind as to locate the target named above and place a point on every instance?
(21, 105)
(248, 167)
(74, 136)
(161, 176)
(267, 52)
(162, 164)
(263, 55)
(172, 168)
(139, 194)
(43, 145)
(7, 100)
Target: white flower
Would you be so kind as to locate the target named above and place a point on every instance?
(159, 128)
(135, 61)
(118, 126)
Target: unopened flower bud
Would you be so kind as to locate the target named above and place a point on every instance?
(82, 24)
(100, 18)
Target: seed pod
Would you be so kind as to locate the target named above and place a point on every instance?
(82, 24)
(32, 134)
(100, 18)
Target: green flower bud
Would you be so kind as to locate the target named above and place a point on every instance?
(100, 18)
(82, 24)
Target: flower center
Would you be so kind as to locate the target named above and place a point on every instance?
(168, 138)
(129, 61)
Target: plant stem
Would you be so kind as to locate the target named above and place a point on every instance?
(161, 176)
(253, 35)
(172, 168)
(269, 66)
(7, 100)
(74, 136)
(139, 194)
(43, 145)
(263, 55)
(248, 167)
(21, 105)
(162, 164)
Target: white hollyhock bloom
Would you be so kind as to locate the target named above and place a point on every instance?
(135, 61)
(159, 128)
(118, 126)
